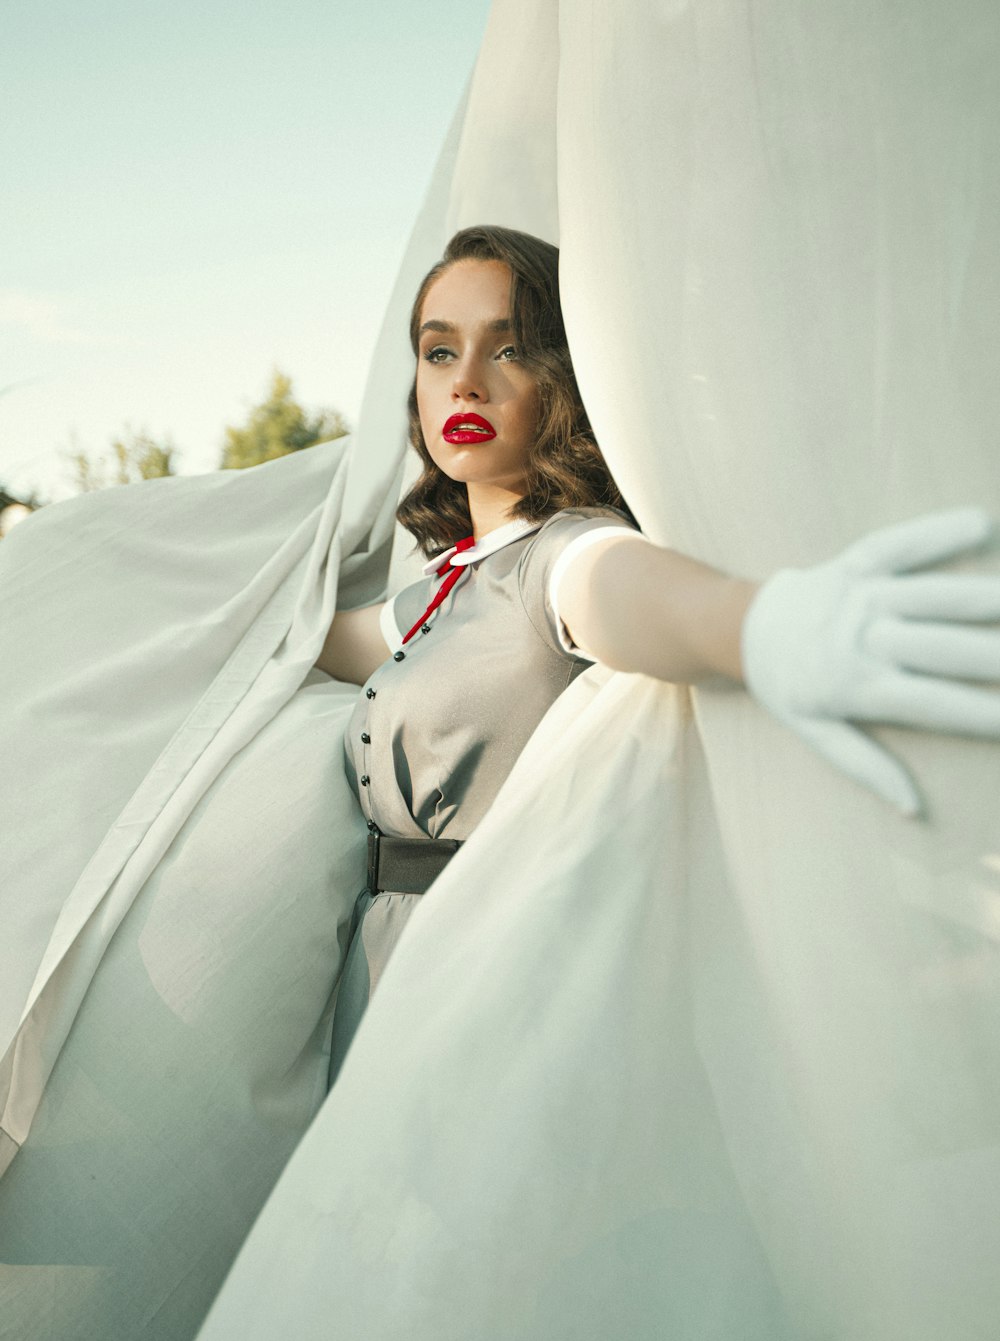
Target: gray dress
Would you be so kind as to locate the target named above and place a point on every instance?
(436, 732)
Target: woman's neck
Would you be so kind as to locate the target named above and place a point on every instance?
(491, 509)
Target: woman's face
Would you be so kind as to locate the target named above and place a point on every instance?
(478, 405)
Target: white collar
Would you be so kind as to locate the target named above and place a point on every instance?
(486, 544)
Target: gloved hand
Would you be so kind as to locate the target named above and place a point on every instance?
(851, 639)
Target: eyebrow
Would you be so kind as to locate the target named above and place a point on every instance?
(448, 328)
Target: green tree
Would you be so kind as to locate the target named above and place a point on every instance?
(277, 426)
(134, 457)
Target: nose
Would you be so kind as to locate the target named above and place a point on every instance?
(469, 382)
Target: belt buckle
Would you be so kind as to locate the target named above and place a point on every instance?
(373, 843)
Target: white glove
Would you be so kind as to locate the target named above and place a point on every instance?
(850, 639)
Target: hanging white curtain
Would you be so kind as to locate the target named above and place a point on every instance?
(694, 1038)
(181, 855)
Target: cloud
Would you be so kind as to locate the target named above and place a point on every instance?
(39, 316)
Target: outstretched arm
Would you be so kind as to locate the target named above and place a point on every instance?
(862, 637)
(636, 607)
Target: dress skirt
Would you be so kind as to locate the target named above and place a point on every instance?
(379, 922)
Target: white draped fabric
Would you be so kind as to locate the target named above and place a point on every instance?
(694, 1038)
(180, 857)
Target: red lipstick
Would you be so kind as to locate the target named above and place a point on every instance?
(461, 428)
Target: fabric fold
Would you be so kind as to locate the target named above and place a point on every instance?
(778, 258)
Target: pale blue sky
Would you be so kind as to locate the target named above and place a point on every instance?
(193, 193)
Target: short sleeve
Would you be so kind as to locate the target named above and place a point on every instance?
(547, 557)
(388, 626)
(402, 611)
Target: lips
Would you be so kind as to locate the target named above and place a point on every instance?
(462, 428)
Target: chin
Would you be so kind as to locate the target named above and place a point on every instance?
(461, 468)
(460, 474)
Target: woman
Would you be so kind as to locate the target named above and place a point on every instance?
(523, 524)
(507, 456)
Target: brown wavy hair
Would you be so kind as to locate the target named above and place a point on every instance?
(565, 467)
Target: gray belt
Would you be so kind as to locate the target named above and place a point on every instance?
(406, 865)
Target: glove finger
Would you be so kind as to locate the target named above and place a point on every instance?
(861, 758)
(936, 649)
(917, 542)
(905, 699)
(939, 595)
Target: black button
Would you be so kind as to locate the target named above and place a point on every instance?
(425, 628)
(365, 779)
(399, 656)
(372, 827)
(369, 693)
(365, 738)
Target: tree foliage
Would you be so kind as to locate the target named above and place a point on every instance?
(134, 457)
(277, 426)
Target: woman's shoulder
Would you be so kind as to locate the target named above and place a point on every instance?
(404, 608)
(573, 517)
(548, 552)
(569, 525)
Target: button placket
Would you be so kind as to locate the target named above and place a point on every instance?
(364, 781)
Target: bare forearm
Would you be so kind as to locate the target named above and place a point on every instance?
(637, 607)
(354, 645)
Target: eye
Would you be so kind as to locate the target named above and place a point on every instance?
(507, 354)
(437, 354)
